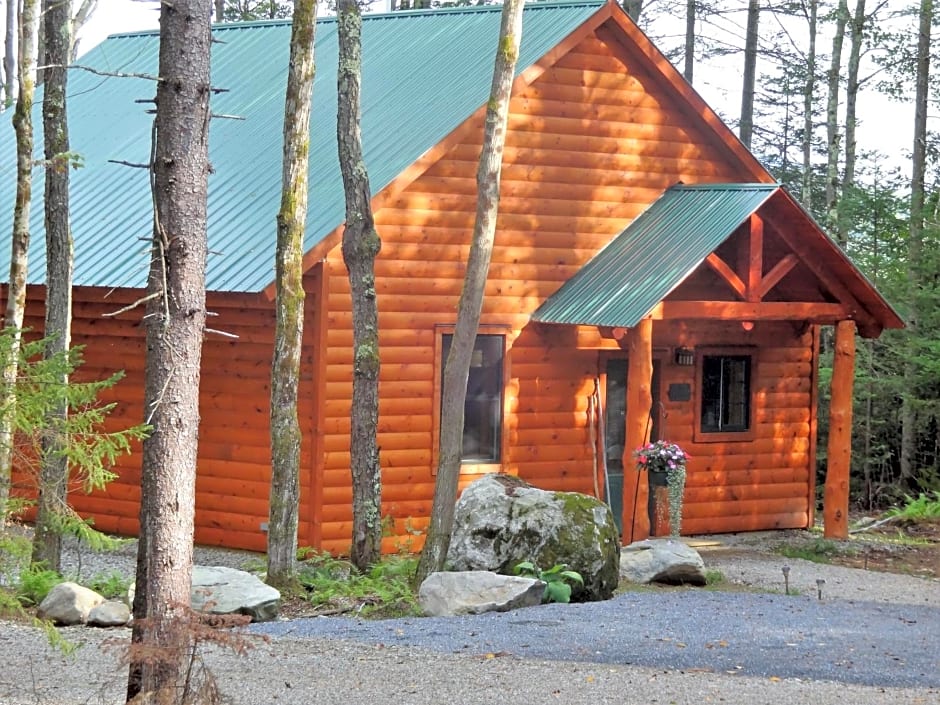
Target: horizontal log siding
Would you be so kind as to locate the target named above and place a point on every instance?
(233, 474)
(764, 483)
(590, 145)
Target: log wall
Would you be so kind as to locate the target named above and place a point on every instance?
(233, 471)
(591, 143)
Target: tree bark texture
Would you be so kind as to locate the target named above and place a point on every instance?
(746, 126)
(833, 136)
(19, 258)
(689, 51)
(633, 9)
(10, 51)
(53, 480)
(289, 301)
(457, 367)
(175, 325)
(915, 241)
(809, 88)
(361, 244)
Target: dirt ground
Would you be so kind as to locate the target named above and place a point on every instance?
(912, 549)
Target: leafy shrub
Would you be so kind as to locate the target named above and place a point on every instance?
(558, 580)
(922, 508)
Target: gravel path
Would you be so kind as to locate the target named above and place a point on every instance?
(873, 639)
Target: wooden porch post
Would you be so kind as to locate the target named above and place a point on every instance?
(838, 464)
(636, 523)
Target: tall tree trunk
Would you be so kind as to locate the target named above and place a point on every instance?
(175, 325)
(19, 258)
(53, 481)
(10, 51)
(220, 10)
(689, 52)
(289, 284)
(361, 244)
(633, 9)
(832, 119)
(915, 242)
(746, 126)
(84, 12)
(809, 89)
(457, 367)
(851, 116)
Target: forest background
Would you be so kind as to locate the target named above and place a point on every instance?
(823, 92)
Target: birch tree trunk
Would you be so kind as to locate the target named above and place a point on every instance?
(53, 480)
(361, 244)
(832, 119)
(457, 367)
(856, 36)
(915, 242)
(175, 325)
(10, 47)
(746, 126)
(809, 89)
(19, 258)
(84, 12)
(289, 302)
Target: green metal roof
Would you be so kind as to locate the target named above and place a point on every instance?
(657, 251)
(424, 73)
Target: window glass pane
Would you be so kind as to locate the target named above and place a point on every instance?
(483, 409)
(726, 393)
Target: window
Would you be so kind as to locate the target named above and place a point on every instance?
(725, 390)
(483, 409)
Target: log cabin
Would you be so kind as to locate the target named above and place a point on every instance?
(650, 279)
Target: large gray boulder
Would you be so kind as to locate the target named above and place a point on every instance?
(69, 603)
(218, 590)
(475, 592)
(501, 521)
(662, 561)
(109, 614)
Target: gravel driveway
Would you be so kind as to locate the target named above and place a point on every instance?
(873, 639)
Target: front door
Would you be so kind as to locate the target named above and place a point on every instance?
(615, 430)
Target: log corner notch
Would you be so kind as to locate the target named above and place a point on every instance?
(636, 522)
(839, 457)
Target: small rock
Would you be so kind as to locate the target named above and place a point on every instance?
(109, 614)
(661, 561)
(68, 604)
(475, 592)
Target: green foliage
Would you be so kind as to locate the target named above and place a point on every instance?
(110, 585)
(34, 583)
(558, 580)
(714, 577)
(925, 507)
(337, 586)
(817, 551)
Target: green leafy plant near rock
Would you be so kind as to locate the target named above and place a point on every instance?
(558, 580)
(335, 586)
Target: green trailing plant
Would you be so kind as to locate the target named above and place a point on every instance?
(558, 580)
(668, 458)
(924, 507)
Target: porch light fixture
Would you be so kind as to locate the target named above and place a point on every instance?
(685, 357)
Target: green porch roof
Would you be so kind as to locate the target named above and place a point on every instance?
(657, 251)
(424, 73)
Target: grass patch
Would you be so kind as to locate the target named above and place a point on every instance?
(818, 550)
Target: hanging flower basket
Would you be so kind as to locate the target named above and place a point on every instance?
(665, 461)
